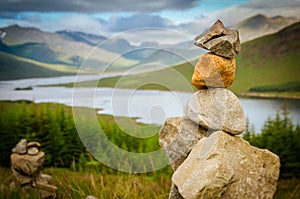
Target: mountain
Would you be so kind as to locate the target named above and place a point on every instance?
(35, 51)
(69, 49)
(82, 37)
(260, 25)
(269, 60)
(13, 67)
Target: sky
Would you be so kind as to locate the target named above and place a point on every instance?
(182, 18)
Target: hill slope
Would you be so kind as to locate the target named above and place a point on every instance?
(270, 60)
(261, 25)
(273, 59)
(68, 49)
(13, 67)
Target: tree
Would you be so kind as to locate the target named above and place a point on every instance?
(282, 137)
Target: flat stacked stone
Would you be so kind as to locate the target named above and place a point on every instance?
(33, 148)
(219, 40)
(27, 164)
(217, 109)
(217, 68)
(213, 71)
(177, 137)
(208, 159)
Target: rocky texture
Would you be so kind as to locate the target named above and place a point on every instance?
(174, 193)
(177, 136)
(32, 151)
(91, 197)
(213, 71)
(33, 144)
(28, 164)
(208, 160)
(27, 169)
(219, 40)
(217, 109)
(217, 29)
(225, 166)
(20, 148)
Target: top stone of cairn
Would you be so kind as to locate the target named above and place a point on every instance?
(220, 40)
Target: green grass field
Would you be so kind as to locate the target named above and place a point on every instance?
(78, 185)
(86, 176)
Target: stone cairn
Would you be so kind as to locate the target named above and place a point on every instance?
(26, 165)
(208, 158)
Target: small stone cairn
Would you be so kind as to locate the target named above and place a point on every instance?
(26, 165)
(208, 158)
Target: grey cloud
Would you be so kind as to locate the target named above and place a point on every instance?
(92, 6)
(271, 4)
(137, 21)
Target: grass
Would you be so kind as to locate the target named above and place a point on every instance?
(289, 86)
(173, 78)
(75, 184)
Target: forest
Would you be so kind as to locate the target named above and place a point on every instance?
(70, 162)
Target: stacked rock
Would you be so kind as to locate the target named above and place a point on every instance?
(208, 158)
(26, 165)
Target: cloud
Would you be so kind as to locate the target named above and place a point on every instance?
(270, 4)
(74, 22)
(90, 24)
(92, 6)
(116, 24)
(235, 14)
(153, 34)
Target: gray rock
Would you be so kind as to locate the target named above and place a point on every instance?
(32, 151)
(177, 137)
(174, 193)
(12, 185)
(91, 197)
(28, 165)
(32, 144)
(226, 166)
(44, 183)
(21, 147)
(45, 194)
(19, 179)
(226, 45)
(217, 29)
(216, 109)
(47, 178)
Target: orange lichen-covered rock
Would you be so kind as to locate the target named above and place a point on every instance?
(213, 71)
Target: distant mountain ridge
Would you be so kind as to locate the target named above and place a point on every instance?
(260, 25)
(271, 60)
(69, 49)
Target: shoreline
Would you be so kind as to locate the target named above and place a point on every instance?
(266, 96)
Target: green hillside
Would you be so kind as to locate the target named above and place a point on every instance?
(13, 67)
(267, 61)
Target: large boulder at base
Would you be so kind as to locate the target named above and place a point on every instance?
(177, 137)
(213, 71)
(227, 45)
(28, 165)
(217, 109)
(226, 166)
